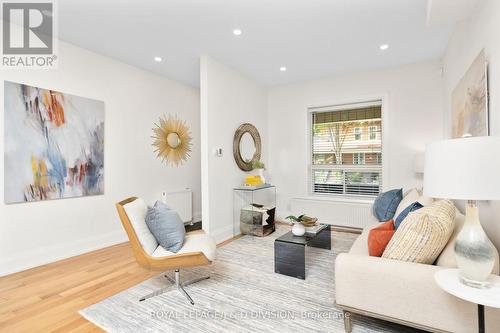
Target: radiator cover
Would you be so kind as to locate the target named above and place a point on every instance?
(345, 213)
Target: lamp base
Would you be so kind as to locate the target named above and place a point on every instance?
(474, 252)
(474, 283)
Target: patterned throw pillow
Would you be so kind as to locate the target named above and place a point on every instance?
(386, 204)
(423, 234)
(379, 237)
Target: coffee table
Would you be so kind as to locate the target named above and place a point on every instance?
(290, 253)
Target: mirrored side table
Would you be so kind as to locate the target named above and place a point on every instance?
(254, 210)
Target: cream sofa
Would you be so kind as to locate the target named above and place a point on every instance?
(404, 292)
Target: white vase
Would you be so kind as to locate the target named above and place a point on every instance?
(298, 229)
(260, 172)
(474, 251)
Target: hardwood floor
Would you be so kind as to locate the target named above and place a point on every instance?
(47, 298)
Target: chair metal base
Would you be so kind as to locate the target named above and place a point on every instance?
(176, 284)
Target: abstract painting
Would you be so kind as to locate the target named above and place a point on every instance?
(470, 101)
(54, 144)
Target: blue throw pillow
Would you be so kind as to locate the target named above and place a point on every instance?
(413, 207)
(166, 225)
(386, 204)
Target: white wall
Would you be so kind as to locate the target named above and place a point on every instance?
(38, 233)
(228, 99)
(481, 30)
(412, 113)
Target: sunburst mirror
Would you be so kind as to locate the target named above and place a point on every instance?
(172, 140)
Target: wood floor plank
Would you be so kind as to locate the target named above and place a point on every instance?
(47, 298)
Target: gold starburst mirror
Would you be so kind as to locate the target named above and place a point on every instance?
(172, 140)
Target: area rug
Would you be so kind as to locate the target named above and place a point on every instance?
(243, 294)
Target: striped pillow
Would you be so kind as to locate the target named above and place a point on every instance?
(423, 234)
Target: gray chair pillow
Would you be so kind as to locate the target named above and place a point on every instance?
(166, 225)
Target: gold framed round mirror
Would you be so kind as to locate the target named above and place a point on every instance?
(173, 140)
(247, 146)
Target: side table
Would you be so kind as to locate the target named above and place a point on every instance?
(449, 281)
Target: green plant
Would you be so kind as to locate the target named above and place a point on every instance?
(258, 165)
(293, 218)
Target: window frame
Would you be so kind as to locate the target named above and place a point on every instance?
(358, 159)
(374, 132)
(356, 133)
(367, 101)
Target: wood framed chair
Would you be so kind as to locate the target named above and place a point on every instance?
(198, 248)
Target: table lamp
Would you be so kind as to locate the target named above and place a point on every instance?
(466, 169)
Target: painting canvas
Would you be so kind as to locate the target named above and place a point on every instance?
(54, 144)
(470, 101)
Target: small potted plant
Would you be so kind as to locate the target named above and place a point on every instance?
(259, 167)
(300, 223)
(298, 228)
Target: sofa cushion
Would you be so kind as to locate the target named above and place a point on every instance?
(425, 201)
(386, 204)
(411, 208)
(379, 237)
(136, 212)
(409, 197)
(193, 242)
(166, 225)
(360, 245)
(423, 234)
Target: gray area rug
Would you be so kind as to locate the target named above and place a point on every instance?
(243, 294)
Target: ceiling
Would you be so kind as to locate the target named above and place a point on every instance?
(312, 38)
(449, 11)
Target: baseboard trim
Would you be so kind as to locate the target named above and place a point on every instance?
(222, 234)
(50, 254)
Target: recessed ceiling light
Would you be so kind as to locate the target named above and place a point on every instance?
(237, 32)
(283, 69)
(158, 59)
(384, 47)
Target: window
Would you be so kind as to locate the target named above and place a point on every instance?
(357, 133)
(358, 158)
(341, 162)
(373, 132)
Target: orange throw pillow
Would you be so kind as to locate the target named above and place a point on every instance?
(379, 237)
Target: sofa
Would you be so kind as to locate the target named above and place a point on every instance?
(405, 292)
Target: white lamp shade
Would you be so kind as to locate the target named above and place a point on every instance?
(463, 169)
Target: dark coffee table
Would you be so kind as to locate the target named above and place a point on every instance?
(290, 252)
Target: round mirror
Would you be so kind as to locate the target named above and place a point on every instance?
(173, 140)
(247, 147)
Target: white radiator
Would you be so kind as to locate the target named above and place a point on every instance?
(181, 201)
(345, 213)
